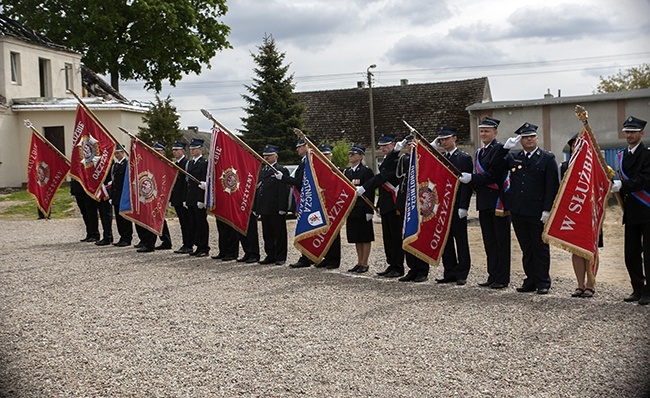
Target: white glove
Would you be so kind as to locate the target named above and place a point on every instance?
(545, 215)
(466, 178)
(512, 142)
(462, 213)
(203, 185)
(278, 175)
(434, 142)
(185, 205)
(282, 212)
(200, 205)
(110, 201)
(361, 191)
(368, 217)
(616, 186)
(254, 214)
(399, 145)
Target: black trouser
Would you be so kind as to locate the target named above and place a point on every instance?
(202, 229)
(456, 257)
(124, 226)
(391, 228)
(106, 216)
(274, 233)
(88, 209)
(184, 220)
(496, 241)
(637, 256)
(333, 255)
(147, 238)
(228, 240)
(250, 242)
(416, 266)
(166, 237)
(536, 255)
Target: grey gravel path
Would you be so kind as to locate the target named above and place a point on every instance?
(77, 320)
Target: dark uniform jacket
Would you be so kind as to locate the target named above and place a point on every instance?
(387, 170)
(636, 167)
(198, 169)
(534, 182)
(271, 195)
(402, 174)
(118, 171)
(463, 162)
(492, 160)
(179, 190)
(359, 177)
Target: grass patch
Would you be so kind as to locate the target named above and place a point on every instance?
(20, 204)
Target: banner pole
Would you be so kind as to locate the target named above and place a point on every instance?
(29, 125)
(422, 140)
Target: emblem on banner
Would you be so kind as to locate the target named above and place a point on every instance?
(147, 189)
(428, 198)
(43, 173)
(89, 151)
(229, 180)
(315, 219)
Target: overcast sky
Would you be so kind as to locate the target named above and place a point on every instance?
(524, 47)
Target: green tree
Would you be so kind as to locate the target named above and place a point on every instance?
(152, 40)
(162, 123)
(632, 79)
(273, 110)
(340, 151)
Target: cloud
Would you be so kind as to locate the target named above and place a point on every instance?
(415, 12)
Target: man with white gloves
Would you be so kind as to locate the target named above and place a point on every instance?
(197, 166)
(534, 182)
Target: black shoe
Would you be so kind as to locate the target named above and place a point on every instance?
(355, 268)
(420, 278)
(409, 277)
(632, 297)
(84, 239)
(139, 245)
(298, 264)
(393, 274)
(496, 285)
(446, 280)
(228, 258)
(145, 249)
(218, 256)
(281, 262)
(122, 244)
(461, 282)
(92, 239)
(267, 261)
(322, 264)
(526, 289)
(384, 272)
(243, 259)
(163, 247)
(252, 260)
(332, 266)
(542, 290)
(362, 269)
(194, 253)
(183, 250)
(644, 300)
(485, 284)
(104, 242)
(201, 254)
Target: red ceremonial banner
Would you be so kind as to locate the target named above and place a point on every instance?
(232, 181)
(92, 152)
(579, 207)
(339, 197)
(150, 183)
(46, 170)
(429, 205)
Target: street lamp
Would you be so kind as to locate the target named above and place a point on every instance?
(373, 161)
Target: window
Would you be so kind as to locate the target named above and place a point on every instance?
(45, 77)
(69, 77)
(56, 136)
(15, 67)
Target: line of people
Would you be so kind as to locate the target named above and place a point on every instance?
(513, 188)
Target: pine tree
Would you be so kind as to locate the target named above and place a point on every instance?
(162, 123)
(273, 110)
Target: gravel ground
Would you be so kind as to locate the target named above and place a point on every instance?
(85, 321)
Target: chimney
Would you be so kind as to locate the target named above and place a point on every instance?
(193, 128)
(559, 93)
(404, 82)
(361, 84)
(548, 93)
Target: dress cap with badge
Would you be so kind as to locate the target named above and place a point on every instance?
(386, 139)
(447, 131)
(634, 124)
(526, 130)
(489, 122)
(325, 149)
(358, 148)
(179, 145)
(270, 150)
(158, 146)
(196, 143)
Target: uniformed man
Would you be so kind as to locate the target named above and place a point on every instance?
(534, 182)
(166, 238)
(387, 182)
(88, 209)
(177, 200)
(118, 172)
(271, 204)
(489, 182)
(455, 257)
(634, 186)
(195, 198)
(105, 210)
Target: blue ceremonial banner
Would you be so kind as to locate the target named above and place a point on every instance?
(411, 212)
(312, 218)
(125, 199)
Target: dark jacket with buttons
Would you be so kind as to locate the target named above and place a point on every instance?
(636, 166)
(534, 182)
(271, 195)
(492, 159)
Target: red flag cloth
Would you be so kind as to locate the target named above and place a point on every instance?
(149, 186)
(92, 152)
(339, 197)
(46, 170)
(231, 182)
(430, 198)
(579, 207)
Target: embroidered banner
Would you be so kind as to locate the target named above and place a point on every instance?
(46, 170)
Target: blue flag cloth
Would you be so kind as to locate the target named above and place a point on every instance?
(125, 199)
(312, 218)
(411, 212)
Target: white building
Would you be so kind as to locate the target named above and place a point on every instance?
(36, 74)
